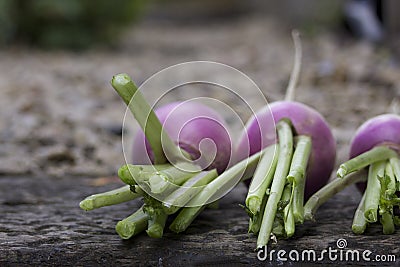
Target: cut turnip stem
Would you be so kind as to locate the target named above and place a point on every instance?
(123, 194)
(288, 218)
(113, 197)
(372, 193)
(256, 218)
(329, 190)
(297, 175)
(262, 179)
(157, 220)
(160, 180)
(359, 222)
(387, 223)
(147, 119)
(376, 154)
(164, 182)
(132, 225)
(395, 163)
(136, 174)
(278, 183)
(390, 181)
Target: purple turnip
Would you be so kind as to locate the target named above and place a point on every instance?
(196, 128)
(306, 121)
(300, 161)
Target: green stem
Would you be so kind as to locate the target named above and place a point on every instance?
(156, 225)
(288, 218)
(388, 190)
(359, 223)
(262, 178)
(180, 197)
(185, 218)
(297, 175)
(326, 192)
(166, 181)
(210, 191)
(256, 219)
(161, 180)
(132, 225)
(387, 223)
(285, 156)
(395, 163)
(131, 174)
(376, 154)
(391, 181)
(373, 191)
(147, 119)
(113, 197)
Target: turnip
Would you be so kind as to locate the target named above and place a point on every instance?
(306, 121)
(181, 155)
(375, 147)
(190, 125)
(174, 134)
(298, 165)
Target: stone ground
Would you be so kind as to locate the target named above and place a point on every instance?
(61, 126)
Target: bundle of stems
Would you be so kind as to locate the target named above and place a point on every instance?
(275, 198)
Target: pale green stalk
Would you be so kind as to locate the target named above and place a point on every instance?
(113, 197)
(285, 156)
(262, 178)
(376, 154)
(359, 222)
(329, 190)
(148, 121)
(373, 191)
(132, 225)
(297, 175)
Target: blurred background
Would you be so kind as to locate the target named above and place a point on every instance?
(60, 116)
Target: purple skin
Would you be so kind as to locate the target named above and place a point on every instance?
(380, 130)
(306, 121)
(188, 123)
